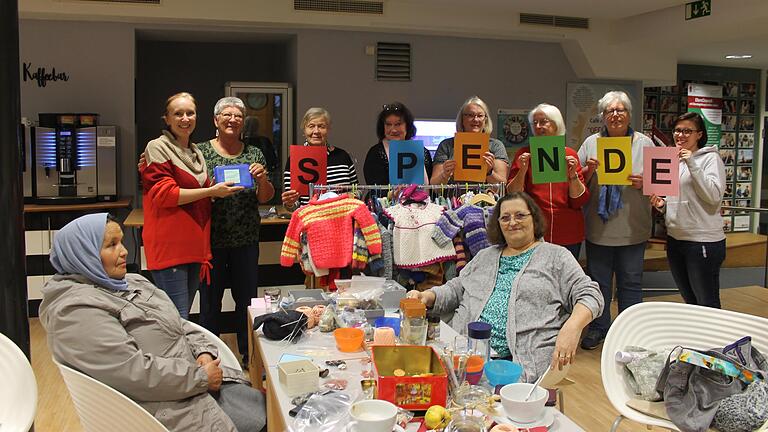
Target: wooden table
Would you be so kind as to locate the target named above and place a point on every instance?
(264, 355)
(135, 219)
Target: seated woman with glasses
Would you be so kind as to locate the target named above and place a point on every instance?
(395, 123)
(534, 294)
(695, 238)
(560, 203)
(472, 117)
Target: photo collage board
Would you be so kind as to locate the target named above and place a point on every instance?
(662, 105)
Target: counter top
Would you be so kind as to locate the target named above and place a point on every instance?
(42, 208)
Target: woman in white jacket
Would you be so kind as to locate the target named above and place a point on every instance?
(695, 238)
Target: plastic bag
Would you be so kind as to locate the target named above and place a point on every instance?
(324, 413)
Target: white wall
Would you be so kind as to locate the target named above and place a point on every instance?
(334, 72)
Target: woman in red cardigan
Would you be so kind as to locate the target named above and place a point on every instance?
(177, 205)
(560, 202)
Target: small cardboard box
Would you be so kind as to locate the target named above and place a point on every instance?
(425, 382)
(299, 377)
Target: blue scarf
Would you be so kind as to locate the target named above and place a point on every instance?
(609, 202)
(77, 250)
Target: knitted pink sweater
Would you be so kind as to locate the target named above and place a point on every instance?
(328, 224)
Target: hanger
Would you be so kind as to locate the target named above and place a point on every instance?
(482, 198)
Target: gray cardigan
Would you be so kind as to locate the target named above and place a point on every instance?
(542, 299)
(136, 342)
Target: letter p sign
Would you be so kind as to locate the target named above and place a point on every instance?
(406, 162)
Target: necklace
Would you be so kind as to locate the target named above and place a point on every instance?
(517, 251)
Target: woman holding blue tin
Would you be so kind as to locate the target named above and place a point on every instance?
(235, 221)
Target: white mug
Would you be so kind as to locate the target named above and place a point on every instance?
(373, 416)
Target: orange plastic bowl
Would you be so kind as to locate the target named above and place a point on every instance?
(348, 339)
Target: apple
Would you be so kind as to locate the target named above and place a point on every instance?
(437, 417)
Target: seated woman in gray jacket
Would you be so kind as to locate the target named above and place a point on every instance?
(534, 294)
(126, 333)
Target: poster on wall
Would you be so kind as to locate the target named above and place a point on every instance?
(707, 101)
(582, 118)
(512, 129)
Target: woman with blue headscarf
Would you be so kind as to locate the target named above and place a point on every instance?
(126, 333)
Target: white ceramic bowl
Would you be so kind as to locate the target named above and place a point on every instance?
(516, 408)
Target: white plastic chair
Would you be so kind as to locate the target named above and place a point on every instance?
(100, 407)
(664, 325)
(228, 358)
(18, 400)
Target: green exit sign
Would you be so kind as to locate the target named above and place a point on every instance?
(698, 9)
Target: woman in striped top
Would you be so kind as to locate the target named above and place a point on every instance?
(341, 169)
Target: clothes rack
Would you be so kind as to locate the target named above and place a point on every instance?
(458, 187)
(453, 187)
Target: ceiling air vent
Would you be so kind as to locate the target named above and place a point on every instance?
(554, 21)
(157, 2)
(343, 6)
(393, 61)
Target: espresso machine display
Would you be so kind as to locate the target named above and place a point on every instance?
(75, 160)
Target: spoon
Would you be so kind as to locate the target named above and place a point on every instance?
(536, 384)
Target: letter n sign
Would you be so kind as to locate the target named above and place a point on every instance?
(309, 164)
(661, 171)
(548, 159)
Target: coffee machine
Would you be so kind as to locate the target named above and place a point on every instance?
(74, 159)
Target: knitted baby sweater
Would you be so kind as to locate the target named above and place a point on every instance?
(469, 217)
(412, 237)
(328, 225)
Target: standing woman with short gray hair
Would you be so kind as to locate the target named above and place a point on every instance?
(560, 203)
(618, 218)
(235, 222)
(316, 125)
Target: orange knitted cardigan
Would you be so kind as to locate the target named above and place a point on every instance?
(328, 226)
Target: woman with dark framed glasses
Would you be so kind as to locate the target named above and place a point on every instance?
(473, 116)
(394, 123)
(695, 238)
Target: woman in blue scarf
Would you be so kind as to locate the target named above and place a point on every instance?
(617, 218)
(123, 331)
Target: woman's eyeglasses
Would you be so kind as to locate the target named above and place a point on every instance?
(228, 116)
(684, 132)
(517, 217)
(615, 111)
(542, 123)
(471, 116)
